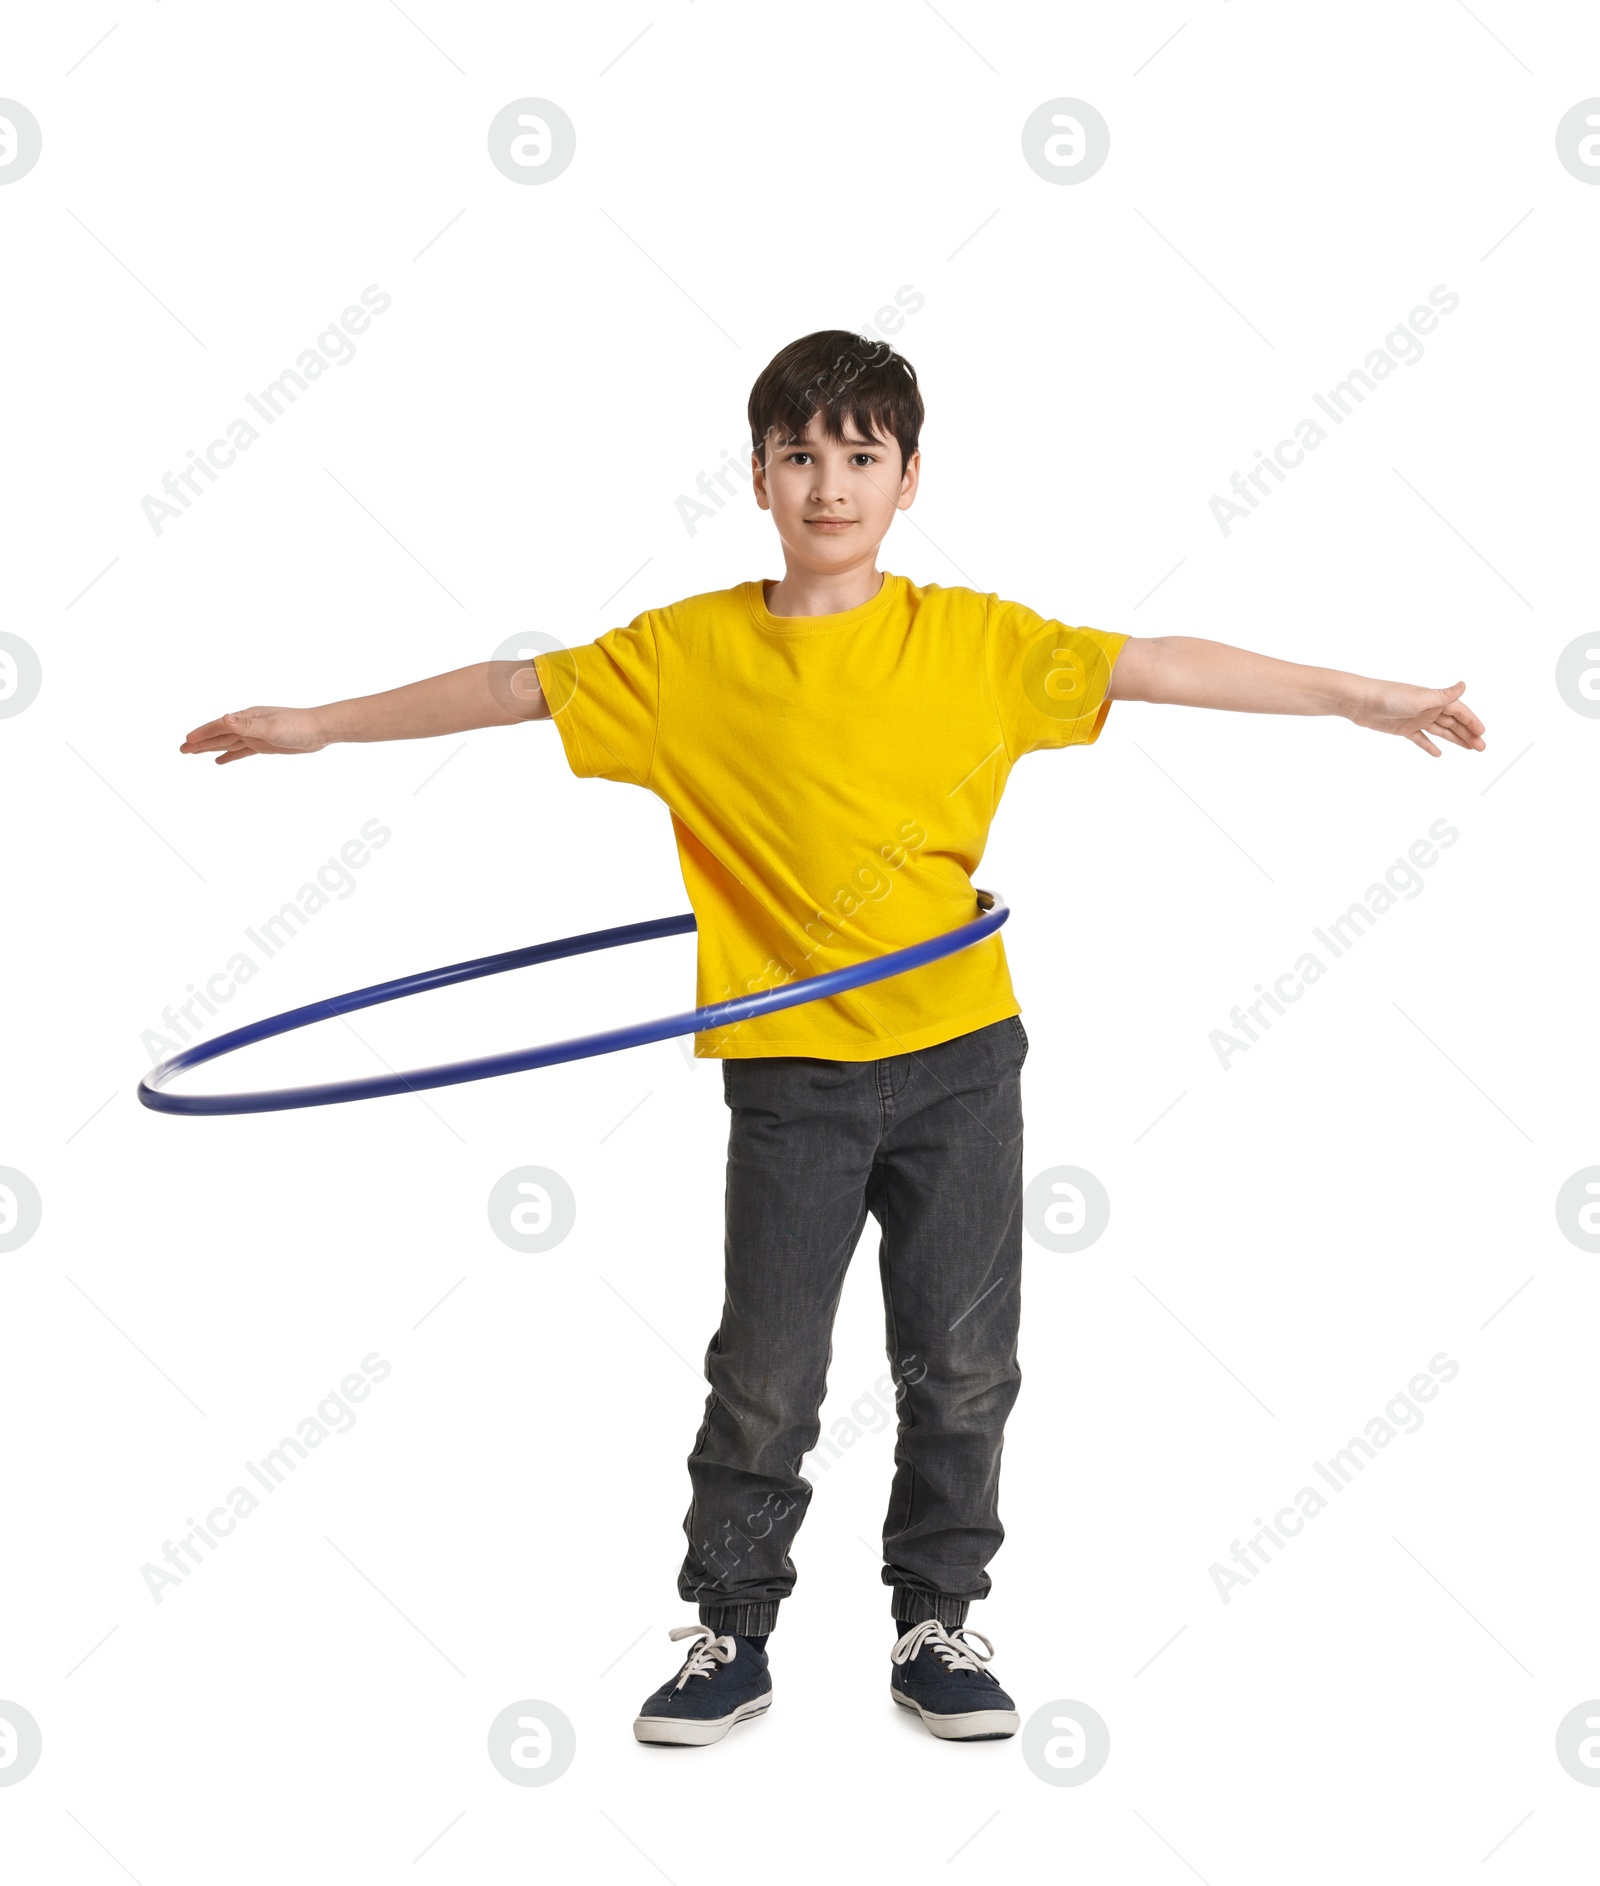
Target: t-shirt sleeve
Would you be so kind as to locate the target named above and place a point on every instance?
(605, 699)
(1049, 680)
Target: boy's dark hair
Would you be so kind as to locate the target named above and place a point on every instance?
(848, 377)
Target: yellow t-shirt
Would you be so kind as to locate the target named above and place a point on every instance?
(831, 781)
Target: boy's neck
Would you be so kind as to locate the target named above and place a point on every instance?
(821, 592)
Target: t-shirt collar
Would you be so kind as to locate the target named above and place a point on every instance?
(755, 597)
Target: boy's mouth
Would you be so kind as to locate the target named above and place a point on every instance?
(829, 523)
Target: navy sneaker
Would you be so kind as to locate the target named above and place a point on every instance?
(723, 1680)
(944, 1681)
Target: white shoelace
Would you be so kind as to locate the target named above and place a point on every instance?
(930, 1632)
(704, 1657)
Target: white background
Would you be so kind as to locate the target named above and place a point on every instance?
(1299, 1234)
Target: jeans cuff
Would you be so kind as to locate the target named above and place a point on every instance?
(911, 1607)
(741, 1620)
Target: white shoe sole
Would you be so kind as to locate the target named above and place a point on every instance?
(697, 1734)
(976, 1725)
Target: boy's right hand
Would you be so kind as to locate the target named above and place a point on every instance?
(257, 730)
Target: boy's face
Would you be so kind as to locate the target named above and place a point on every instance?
(832, 500)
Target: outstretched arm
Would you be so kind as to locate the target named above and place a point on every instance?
(488, 694)
(1188, 672)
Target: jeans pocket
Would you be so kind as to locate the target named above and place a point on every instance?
(1020, 1038)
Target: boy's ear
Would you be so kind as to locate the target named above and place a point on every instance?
(909, 478)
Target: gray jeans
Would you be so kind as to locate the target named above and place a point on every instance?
(931, 1144)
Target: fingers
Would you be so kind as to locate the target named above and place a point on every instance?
(213, 730)
(1459, 710)
(1462, 726)
(1452, 720)
(215, 733)
(235, 736)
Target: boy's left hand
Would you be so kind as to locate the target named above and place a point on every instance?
(1397, 707)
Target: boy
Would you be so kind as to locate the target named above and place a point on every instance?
(833, 747)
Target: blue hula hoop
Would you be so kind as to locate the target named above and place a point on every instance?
(719, 1014)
